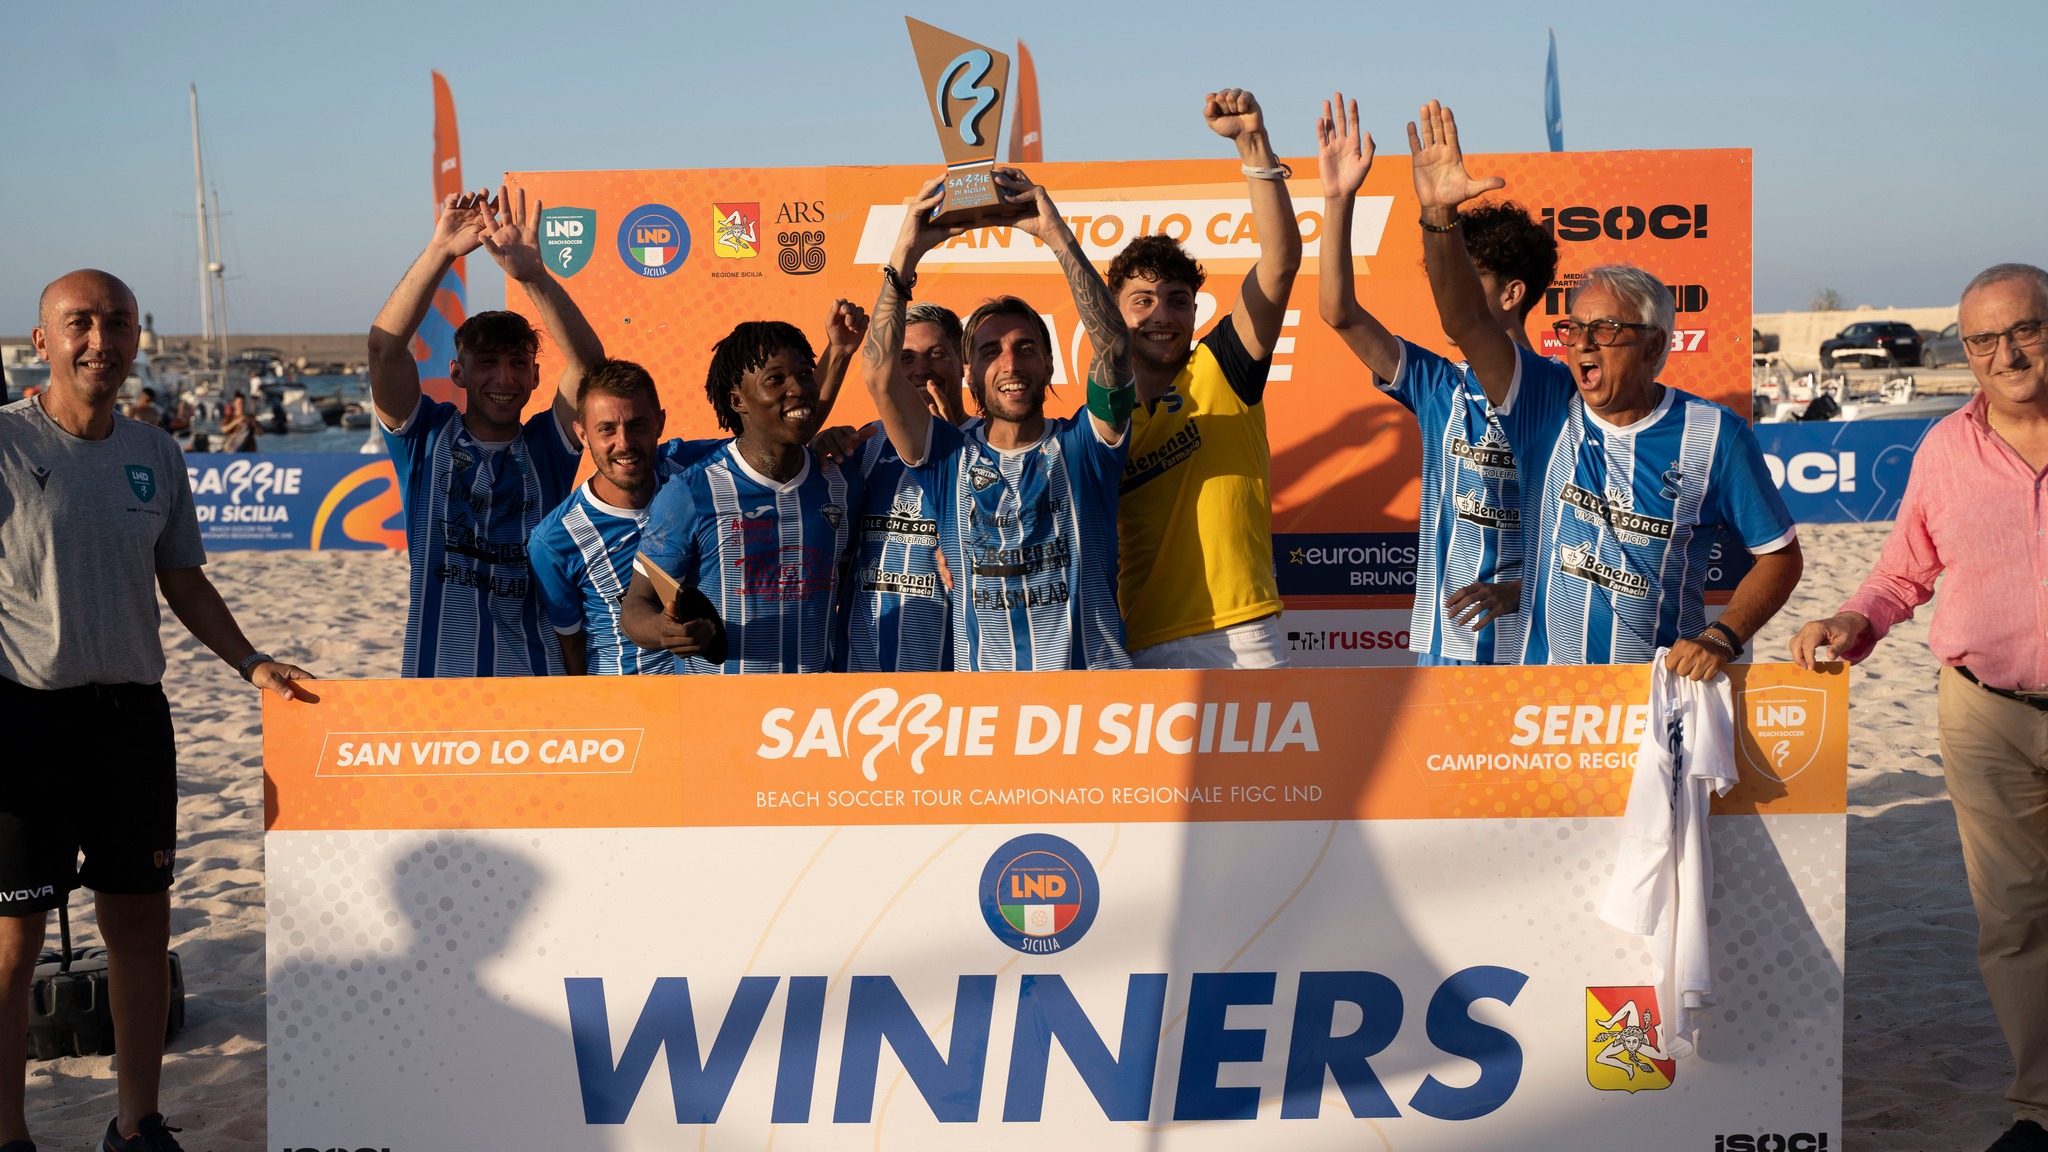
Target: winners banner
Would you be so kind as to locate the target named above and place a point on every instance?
(1311, 909)
(665, 263)
(301, 500)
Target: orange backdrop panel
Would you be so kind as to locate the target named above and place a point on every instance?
(1311, 744)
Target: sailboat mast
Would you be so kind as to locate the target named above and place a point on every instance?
(218, 271)
(205, 255)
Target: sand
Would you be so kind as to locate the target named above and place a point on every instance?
(1924, 1065)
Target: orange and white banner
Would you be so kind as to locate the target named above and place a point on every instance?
(665, 263)
(1351, 908)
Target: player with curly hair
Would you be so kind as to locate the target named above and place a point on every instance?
(1196, 515)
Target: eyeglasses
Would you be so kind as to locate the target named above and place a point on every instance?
(1606, 333)
(2025, 334)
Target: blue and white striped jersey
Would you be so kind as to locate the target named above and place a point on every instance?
(767, 555)
(582, 557)
(1625, 519)
(469, 508)
(1030, 536)
(1470, 529)
(896, 605)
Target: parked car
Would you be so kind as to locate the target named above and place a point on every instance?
(1883, 343)
(1942, 348)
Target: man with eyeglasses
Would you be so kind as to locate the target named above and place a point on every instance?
(1626, 483)
(1973, 512)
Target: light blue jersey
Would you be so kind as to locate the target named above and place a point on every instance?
(1470, 528)
(469, 508)
(1030, 536)
(896, 605)
(582, 557)
(1624, 519)
(767, 555)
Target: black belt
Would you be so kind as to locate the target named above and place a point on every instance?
(2037, 703)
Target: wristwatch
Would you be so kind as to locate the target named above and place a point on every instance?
(248, 667)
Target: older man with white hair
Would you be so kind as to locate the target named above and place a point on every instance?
(1974, 517)
(1626, 483)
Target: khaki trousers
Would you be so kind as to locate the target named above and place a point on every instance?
(1994, 753)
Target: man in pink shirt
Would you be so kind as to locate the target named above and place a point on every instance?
(1976, 509)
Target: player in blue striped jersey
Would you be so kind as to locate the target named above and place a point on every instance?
(897, 612)
(1468, 558)
(582, 552)
(476, 481)
(1626, 482)
(762, 526)
(1026, 504)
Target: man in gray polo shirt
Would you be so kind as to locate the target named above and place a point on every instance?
(95, 517)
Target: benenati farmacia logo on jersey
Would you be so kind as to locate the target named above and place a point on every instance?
(880, 720)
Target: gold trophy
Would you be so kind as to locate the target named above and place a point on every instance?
(965, 83)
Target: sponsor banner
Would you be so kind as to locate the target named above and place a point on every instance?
(1834, 470)
(303, 500)
(1344, 456)
(1350, 908)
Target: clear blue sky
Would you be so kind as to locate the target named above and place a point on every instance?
(1898, 147)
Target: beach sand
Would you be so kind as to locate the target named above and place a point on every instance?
(1924, 1065)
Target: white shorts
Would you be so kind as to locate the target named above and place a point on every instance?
(1252, 644)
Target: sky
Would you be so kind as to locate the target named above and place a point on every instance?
(1897, 146)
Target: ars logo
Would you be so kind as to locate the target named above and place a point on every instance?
(736, 231)
(1625, 1040)
(567, 238)
(1781, 728)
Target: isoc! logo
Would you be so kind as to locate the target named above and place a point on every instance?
(1038, 894)
(653, 240)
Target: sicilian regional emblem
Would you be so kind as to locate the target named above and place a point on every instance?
(1625, 1040)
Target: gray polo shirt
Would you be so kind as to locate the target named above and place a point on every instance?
(84, 525)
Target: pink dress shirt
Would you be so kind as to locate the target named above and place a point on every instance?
(1975, 511)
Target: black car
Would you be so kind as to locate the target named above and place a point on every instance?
(1896, 337)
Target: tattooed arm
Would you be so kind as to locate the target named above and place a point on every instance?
(1100, 317)
(901, 404)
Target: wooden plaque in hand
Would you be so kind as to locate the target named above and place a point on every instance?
(965, 84)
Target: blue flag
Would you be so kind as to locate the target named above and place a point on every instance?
(1553, 102)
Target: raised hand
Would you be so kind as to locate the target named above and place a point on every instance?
(459, 228)
(919, 234)
(1233, 113)
(1027, 206)
(845, 329)
(512, 237)
(1343, 153)
(1441, 179)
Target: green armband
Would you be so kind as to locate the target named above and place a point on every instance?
(1111, 405)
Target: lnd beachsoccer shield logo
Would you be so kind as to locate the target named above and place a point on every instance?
(653, 240)
(1038, 894)
(1779, 728)
(143, 480)
(567, 238)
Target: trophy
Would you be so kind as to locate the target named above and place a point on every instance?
(965, 83)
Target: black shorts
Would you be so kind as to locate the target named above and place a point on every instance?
(93, 770)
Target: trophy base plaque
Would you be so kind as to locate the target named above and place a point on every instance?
(970, 194)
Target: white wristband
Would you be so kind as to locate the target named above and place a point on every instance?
(1277, 172)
